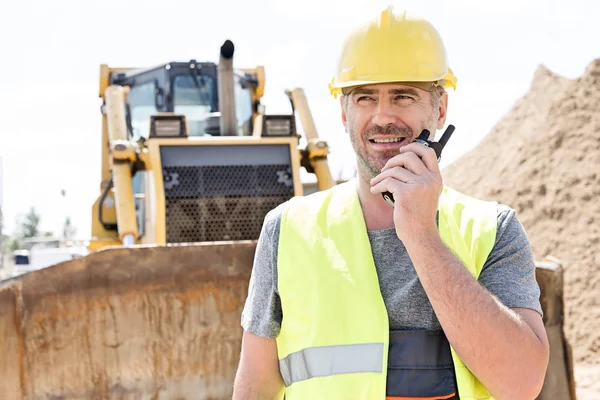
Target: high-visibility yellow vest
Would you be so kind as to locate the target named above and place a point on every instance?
(334, 336)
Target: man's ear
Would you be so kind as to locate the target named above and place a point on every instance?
(442, 110)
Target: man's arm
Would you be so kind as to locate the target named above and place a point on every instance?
(507, 349)
(258, 376)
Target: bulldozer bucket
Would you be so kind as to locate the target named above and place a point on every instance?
(156, 322)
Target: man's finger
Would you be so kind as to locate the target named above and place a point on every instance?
(399, 173)
(408, 160)
(425, 154)
(389, 184)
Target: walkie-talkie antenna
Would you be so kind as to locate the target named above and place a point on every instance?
(444, 139)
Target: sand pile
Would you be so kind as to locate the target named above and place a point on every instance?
(543, 159)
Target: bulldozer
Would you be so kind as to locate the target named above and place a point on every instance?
(192, 157)
(191, 164)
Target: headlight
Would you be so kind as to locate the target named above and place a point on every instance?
(168, 126)
(278, 125)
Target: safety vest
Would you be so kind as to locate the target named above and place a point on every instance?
(334, 337)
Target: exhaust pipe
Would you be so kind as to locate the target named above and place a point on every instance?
(228, 122)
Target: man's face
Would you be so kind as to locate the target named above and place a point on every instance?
(380, 119)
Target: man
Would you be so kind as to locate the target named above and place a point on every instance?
(351, 298)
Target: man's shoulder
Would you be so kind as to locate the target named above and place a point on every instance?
(455, 195)
(506, 215)
(272, 220)
(311, 203)
(503, 210)
(299, 205)
(509, 224)
(273, 217)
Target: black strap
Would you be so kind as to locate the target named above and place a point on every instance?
(420, 365)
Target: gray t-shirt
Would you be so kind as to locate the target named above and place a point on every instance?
(509, 273)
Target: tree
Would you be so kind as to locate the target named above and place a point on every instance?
(30, 225)
(12, 243)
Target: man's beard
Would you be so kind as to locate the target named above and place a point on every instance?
(369, 164)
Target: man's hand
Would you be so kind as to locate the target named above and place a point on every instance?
(414, 179)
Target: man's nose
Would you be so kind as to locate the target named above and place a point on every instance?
(383, 114)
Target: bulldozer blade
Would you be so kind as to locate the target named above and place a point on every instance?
(156, 322)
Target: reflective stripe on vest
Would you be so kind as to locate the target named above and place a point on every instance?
(331, 360)
(330, 294)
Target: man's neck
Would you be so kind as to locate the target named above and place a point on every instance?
(377, 212)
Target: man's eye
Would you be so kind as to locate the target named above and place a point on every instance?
(364, 99)
(403, 97)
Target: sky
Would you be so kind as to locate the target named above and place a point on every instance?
(50, 123)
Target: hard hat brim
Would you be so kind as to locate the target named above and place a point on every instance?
(427, 86)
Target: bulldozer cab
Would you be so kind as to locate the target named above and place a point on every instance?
(189, 89)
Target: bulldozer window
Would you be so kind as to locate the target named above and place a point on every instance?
(142, 105)
(243, 107)
(195, 97)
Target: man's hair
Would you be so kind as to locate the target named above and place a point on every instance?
(436, 95)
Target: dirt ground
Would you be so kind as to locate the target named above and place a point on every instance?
(587, 377)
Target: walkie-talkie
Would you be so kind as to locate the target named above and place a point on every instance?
(424, 140)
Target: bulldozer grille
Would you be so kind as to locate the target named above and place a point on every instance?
(217, 193)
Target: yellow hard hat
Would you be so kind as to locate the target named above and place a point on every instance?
(393, 48)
